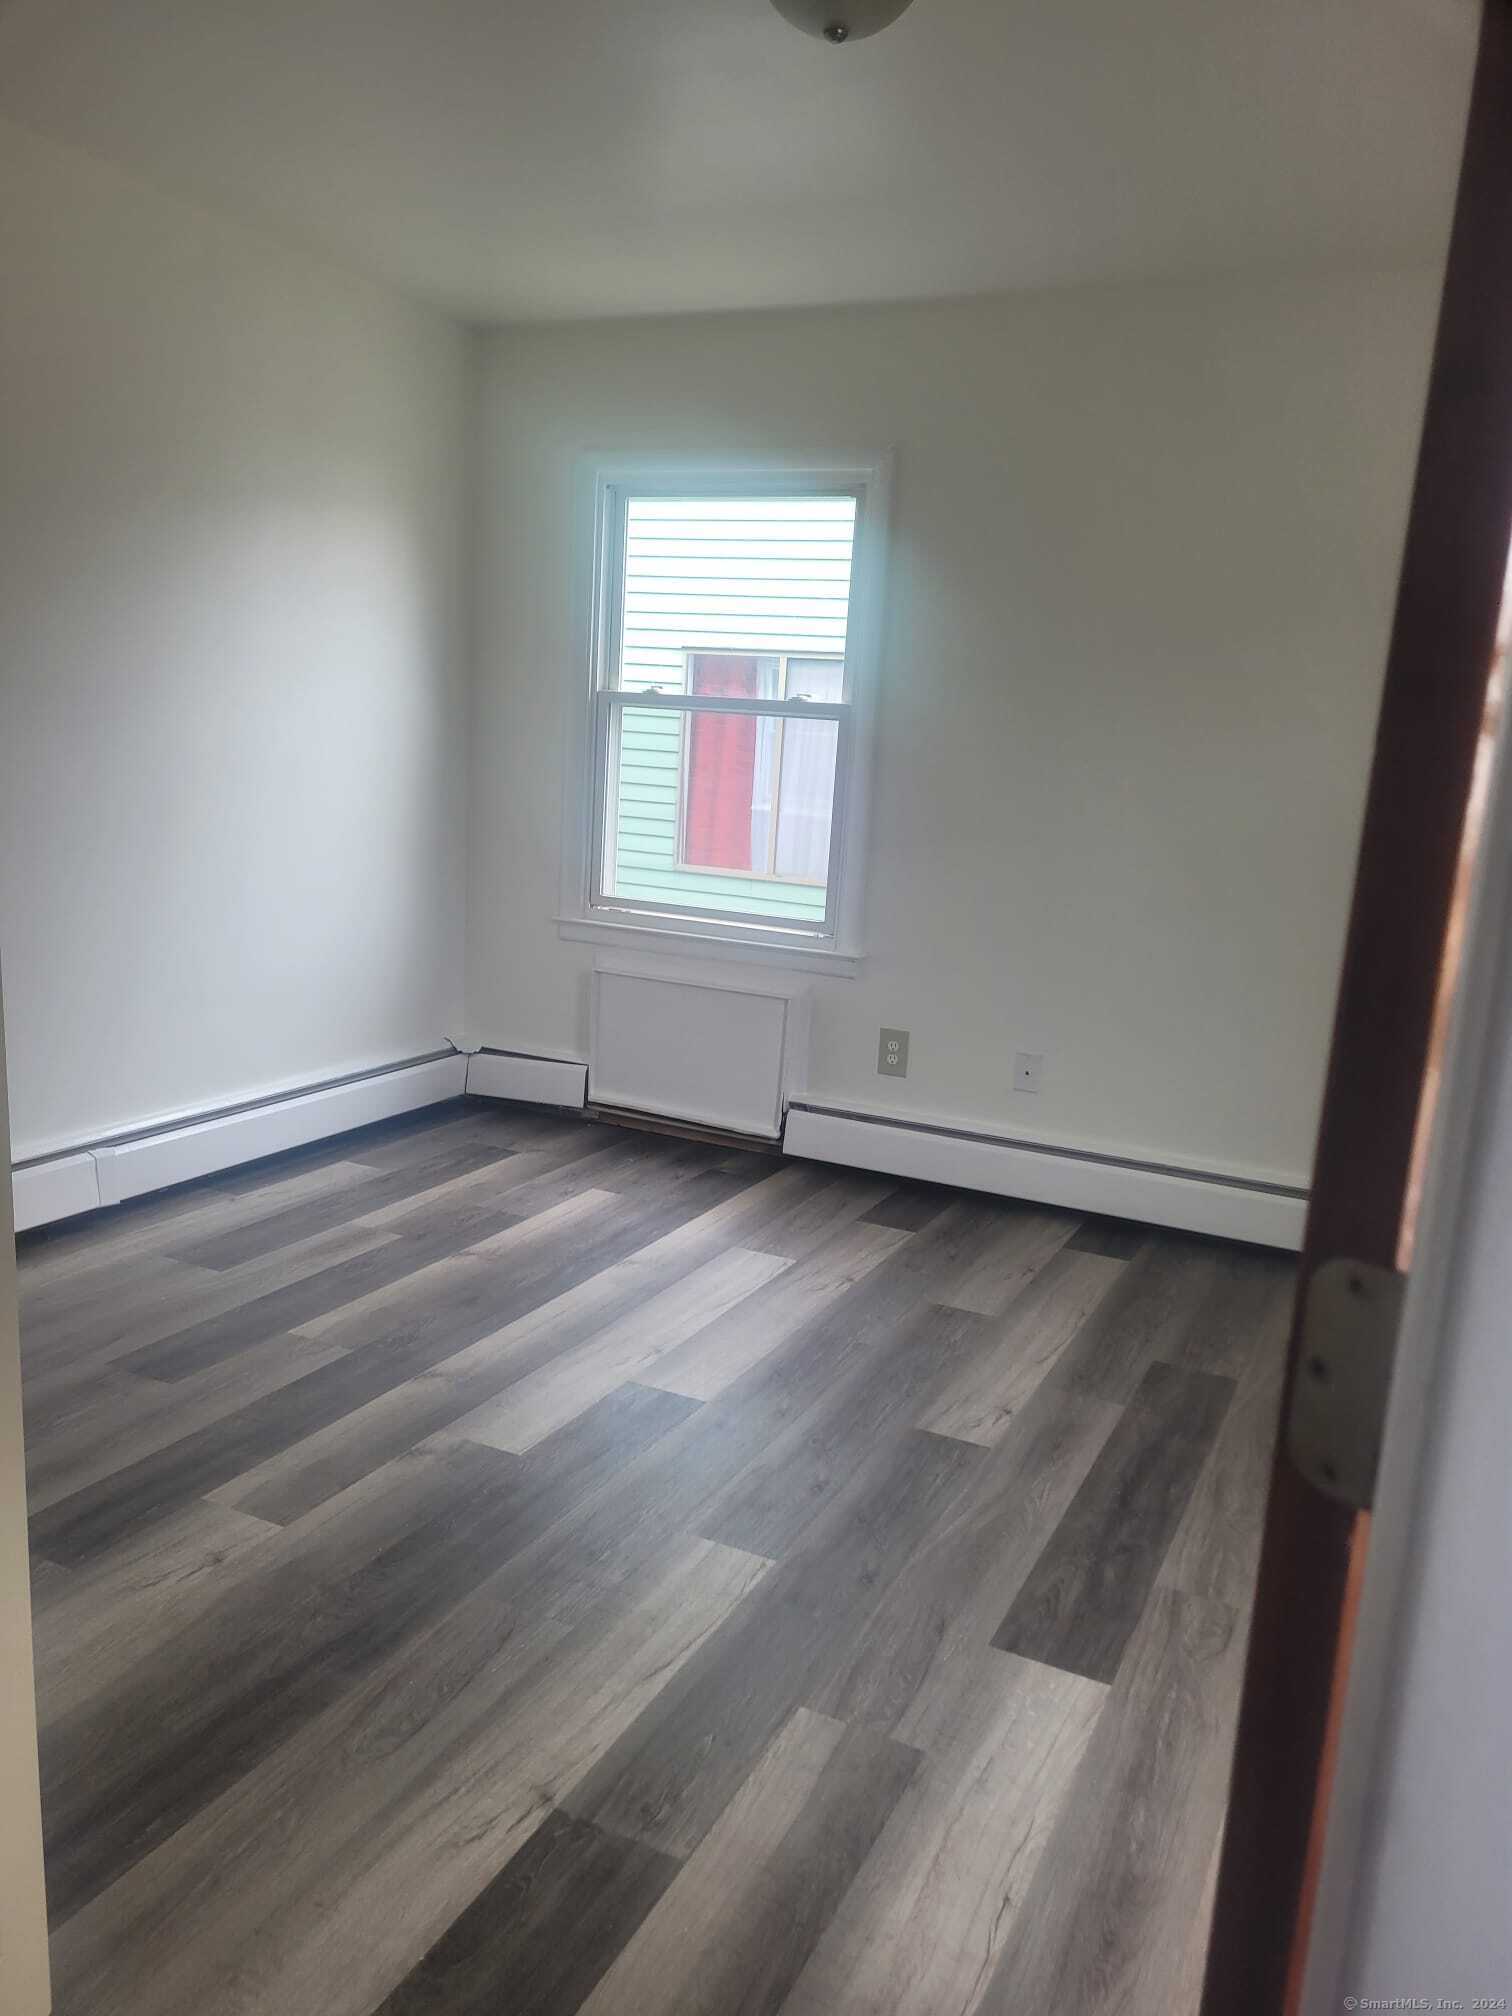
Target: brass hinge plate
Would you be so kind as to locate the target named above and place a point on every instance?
(1338, 1402)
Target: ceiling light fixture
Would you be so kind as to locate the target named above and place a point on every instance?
(840, 20)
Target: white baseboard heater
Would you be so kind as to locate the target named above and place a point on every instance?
(1227, 1206)
(535, 1081)
(134, 1161)
(680, 1044)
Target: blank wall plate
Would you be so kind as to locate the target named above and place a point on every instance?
(1028, 1071)
(892, 1053)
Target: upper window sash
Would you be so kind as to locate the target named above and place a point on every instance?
(614, 553)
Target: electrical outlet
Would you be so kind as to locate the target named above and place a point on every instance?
(892, 1053)
(1028, 1071)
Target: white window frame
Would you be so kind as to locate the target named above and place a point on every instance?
(835, 946)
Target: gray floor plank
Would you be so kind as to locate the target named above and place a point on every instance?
(1032, 1336)
(1114, 1910)
(670, 1776)
(769, 1506)
(1087, 1592)
(910, 1207)
(829, 1201)
(1216, 1548)
(1146, 1315)
(715, 1356)
(61, 1266)
(924, 1925)
(1024, 1239)
(125, 1420)
(179, 1296)
(215, 1338)
(338, 1207)
(737, 1925)
(550, 1923)
(1113, 1238)
(107, 1617)
(1246, 1311)
(940, 1614)
(533, 1406)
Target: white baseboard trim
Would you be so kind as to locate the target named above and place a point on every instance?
(108, 1172)
(61, 1187)
(1264, 1215)
(538, 1081)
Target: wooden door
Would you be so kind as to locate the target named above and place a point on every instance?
(1433, 703)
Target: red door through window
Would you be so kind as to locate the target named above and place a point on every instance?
(721, 768)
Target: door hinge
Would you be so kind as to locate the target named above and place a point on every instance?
(1350, 1316)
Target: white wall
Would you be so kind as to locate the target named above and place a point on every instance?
(232, 657)
(1144, 555)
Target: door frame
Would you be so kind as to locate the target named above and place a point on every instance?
(1442, 1273)
(1433, 702)
(23, 1905)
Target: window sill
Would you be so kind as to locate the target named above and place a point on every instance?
(696, 944)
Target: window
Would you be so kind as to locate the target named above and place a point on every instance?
(728, 681)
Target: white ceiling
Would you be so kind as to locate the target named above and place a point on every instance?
(529, 158)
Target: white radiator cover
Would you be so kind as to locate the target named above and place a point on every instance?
(725, 1047)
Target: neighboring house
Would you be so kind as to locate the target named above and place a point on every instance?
(737, 599)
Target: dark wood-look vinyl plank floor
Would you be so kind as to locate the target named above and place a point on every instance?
(500, 1561)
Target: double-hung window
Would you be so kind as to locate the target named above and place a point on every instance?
(727, 737)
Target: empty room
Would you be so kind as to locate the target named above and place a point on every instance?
(749, 816)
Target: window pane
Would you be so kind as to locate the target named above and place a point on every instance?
(734, 677)
(760, 578)
(720, 795)
(806, 797)
(726, 812)
(815, 679)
